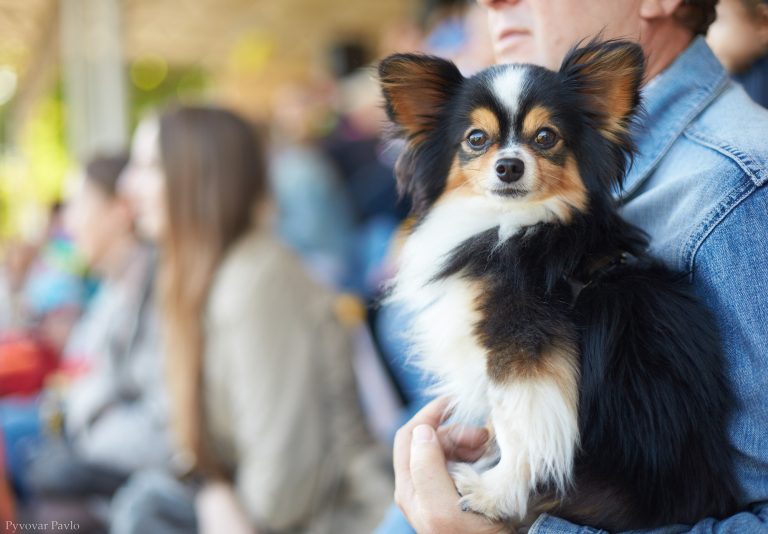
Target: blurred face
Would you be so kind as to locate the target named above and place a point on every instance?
(96, 221)
(739, 35)
(143, 181)
(542, 31)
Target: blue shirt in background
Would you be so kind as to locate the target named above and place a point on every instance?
(755, 81)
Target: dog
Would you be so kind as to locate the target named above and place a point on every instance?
(538, 309)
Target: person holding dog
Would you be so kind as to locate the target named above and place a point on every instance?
(696, 186)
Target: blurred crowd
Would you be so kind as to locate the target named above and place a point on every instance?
(198, 342)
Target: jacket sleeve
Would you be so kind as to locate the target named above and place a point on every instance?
(731, 276)
(753, 521)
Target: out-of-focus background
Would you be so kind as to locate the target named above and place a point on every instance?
(76, 75)
(80, 348)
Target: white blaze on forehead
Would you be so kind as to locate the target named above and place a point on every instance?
(508, 87)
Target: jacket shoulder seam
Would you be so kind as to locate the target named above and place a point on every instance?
(714, 219)
(749, 164)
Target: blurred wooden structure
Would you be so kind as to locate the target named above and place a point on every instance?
(250, 46)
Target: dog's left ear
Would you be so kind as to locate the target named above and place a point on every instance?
(416, 89)
(608, 74)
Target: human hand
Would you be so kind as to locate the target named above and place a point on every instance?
(424, 490)
(218, 510)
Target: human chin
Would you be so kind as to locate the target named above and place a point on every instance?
(517, 49)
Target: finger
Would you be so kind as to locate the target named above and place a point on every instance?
(464, 443)
(401, 453)
(431, 414)
(432, 483)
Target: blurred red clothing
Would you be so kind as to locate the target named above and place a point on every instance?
(25, 362)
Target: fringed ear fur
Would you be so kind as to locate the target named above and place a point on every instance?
(608, 74)
(416, 89)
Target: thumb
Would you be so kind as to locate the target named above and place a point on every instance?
(429, 473)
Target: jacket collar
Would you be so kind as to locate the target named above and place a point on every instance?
(671, 101)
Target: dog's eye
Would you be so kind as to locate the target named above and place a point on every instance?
(477, 139)
(545, 138)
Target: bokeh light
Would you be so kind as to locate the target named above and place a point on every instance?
(148, 72)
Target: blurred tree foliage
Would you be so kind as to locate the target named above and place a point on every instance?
(153, 85)
(34, 166)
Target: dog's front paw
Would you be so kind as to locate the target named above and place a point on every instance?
(476, 495)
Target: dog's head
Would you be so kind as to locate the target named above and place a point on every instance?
(515, 133)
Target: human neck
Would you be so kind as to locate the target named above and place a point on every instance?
(663, 41)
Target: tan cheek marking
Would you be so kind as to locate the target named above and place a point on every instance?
(469, 179)
(457, 184)
(456, 178)
(536, 118)
(563, 183)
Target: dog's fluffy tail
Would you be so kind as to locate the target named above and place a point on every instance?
(654, 400)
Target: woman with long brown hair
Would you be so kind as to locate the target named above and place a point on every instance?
(263, 398)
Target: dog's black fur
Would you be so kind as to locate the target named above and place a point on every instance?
(654, 401)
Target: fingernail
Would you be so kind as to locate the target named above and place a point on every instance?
(423, 433)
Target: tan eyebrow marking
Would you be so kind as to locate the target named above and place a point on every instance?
(486, 120)
(537, 117)
(561, 182)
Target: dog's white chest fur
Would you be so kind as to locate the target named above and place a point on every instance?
(444, 311)
(535, 420)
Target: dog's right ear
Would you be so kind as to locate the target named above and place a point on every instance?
(608, 74)
(416, 89)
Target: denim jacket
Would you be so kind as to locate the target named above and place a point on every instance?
(697, 187)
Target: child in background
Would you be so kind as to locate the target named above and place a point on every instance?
(110, 391)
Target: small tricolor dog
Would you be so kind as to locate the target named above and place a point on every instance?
(537, 307)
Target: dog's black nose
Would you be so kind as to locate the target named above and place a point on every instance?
(510, 169)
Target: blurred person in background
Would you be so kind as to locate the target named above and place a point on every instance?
(739, 39)
(370, 182)
(265, 408)
(55, 289)
(364, 160)
(316, 217)
(314, 213)
(110, 386)
(32, 329)
(18, 257)
(45, 279)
